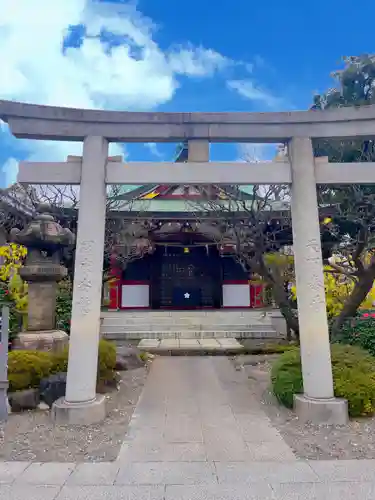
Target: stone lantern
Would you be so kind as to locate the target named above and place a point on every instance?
(45, 240)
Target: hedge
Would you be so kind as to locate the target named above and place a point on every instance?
(360, 331)
(353, 376)
(27, 368)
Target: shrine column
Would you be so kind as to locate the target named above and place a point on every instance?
(317, 403)
(81, 404)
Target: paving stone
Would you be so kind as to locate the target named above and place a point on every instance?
(46, 473)
(167, 473)
(184, 429)
(220, 492)
(344, 470)
(9, 471)
(27, 492)
(230, 343)
(111, 493)
(253, 472)
(234, 451)
(257, 430)
(209, 343)
(165, 452)
(169, 344)
(324, 491)
(148, 343)
(102, 473)
(270, 452)
(189, 343)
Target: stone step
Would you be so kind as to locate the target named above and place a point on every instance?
(183, 326)
(223, 325)
(239, 323)
(217, 314)
(191, 346)
(134, 335)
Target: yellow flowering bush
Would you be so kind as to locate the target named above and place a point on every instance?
(337, 291)
(12, 257)
(337, 288)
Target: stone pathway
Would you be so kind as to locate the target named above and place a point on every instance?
(207, 345)
(196, 434)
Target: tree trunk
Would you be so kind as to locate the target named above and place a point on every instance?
(355, 299)
(284, 305)
(279, 294)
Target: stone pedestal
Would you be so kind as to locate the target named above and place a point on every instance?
(42, 300)
(87, 413)
(41, 319)
(43, 340)
(321, 411)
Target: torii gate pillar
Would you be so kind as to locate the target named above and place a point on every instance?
(81, 404)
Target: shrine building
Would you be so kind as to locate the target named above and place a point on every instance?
(179, 260)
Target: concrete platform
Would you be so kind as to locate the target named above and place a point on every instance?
(191, 346)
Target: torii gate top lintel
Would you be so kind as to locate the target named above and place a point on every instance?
(35, 121)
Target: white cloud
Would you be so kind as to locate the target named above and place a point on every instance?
(196, 62)
(154, 150)
(133, 75)
(248, 90)
(255, 152)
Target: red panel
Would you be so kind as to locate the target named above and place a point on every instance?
(113, 295)
(257, 295)
(116, 273)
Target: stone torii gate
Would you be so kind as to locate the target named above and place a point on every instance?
(95, 170)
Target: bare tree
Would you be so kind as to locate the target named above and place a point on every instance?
(254, 230)
(126, 238)
(352, 238)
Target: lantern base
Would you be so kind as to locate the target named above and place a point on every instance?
(43, 340)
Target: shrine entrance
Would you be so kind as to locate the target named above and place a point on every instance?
(186, 278)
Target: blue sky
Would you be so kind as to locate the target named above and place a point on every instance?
(169, 56)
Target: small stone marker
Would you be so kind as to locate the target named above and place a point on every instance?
(4, 339)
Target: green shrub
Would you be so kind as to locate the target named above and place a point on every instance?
(107, 356)
(143, 356)
(106, 359)
(353, 375)
(64, 305)
(360, 331)
(27, 368)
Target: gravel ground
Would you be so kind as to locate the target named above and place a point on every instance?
(352, 441)
(31, 436)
